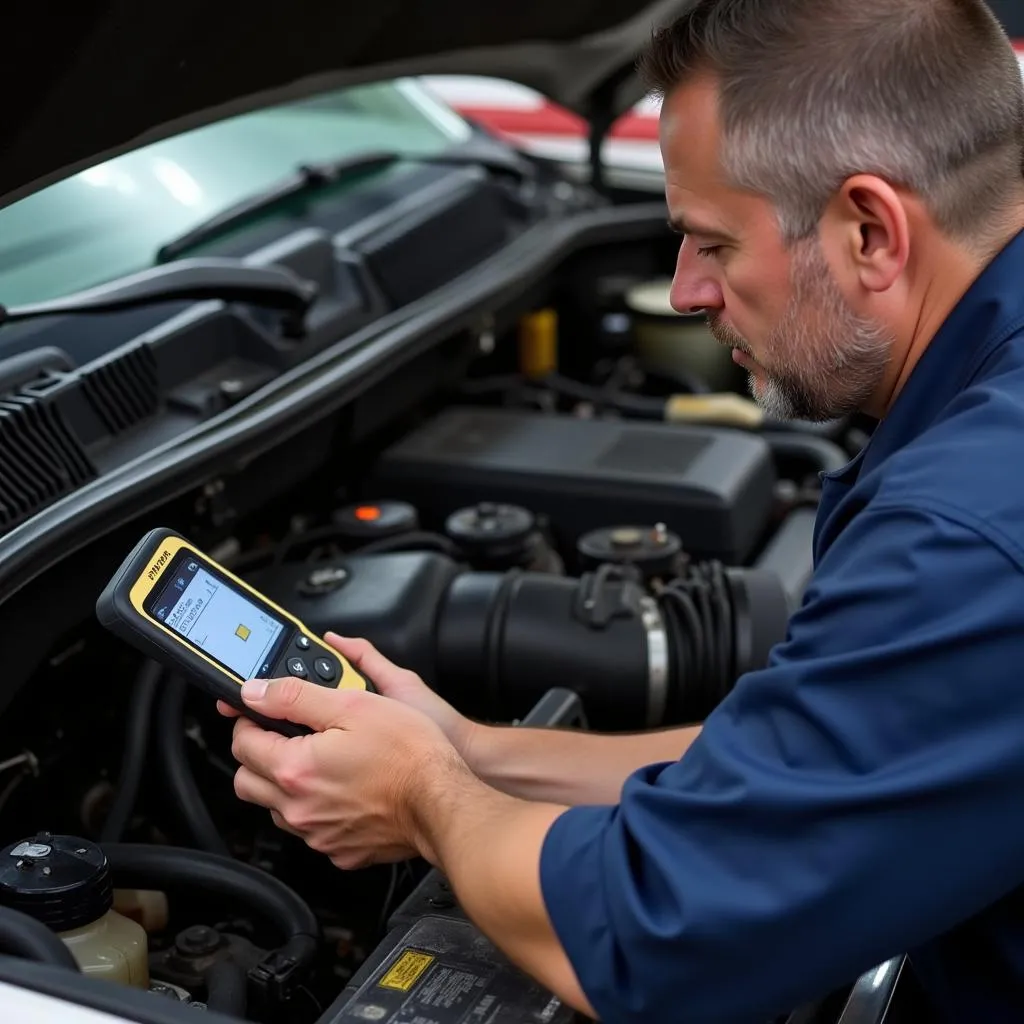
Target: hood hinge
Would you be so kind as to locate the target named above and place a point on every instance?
(601, 118)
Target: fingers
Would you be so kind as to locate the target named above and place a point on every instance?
(366, 659)
(257, 749)
(283, 825)
(293, 700)
(363, 655)
(255, 789)
(227, 710)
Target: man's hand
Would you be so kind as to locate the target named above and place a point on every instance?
(349, 789)
(405, 687)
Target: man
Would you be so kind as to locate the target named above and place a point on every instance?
(846, 175)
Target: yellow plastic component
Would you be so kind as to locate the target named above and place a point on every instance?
(538, 343)
(144, 906)
(725, 410)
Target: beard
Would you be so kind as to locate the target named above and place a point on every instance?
(821, 362)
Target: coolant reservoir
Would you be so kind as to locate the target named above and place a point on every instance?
(113, 947)
(65, 883)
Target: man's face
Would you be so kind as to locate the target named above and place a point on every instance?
(808, 354)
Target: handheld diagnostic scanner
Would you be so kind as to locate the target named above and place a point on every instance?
(182, 609)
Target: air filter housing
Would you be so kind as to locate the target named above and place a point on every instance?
(713, 487)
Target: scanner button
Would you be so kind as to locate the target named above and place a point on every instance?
(302, 643)
(297, 667)
(325, 669)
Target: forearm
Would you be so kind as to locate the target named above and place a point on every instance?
(488, 845)
(568, 767)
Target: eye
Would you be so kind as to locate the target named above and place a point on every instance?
(708, 250)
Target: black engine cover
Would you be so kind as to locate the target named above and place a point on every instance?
(714, 487)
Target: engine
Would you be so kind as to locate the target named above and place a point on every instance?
(610, 550)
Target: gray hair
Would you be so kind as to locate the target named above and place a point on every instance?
(927, 94)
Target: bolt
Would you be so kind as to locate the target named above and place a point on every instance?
(199, 940)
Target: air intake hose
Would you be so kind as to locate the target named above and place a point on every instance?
(636, 660)
(494, 643)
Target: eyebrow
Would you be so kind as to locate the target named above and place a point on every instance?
(681, 226)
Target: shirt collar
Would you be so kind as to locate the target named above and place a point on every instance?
(989, 313)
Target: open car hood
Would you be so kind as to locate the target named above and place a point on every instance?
(85, 82)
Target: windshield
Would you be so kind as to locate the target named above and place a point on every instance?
(111, 219)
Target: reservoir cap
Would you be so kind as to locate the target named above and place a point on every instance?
(62, 881)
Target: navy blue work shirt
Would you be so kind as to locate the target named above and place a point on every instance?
(862, 796)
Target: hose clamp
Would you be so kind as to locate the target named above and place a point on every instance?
(657, 661)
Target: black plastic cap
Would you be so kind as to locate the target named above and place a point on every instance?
(62, 881)
(652, 549)
(490, 528)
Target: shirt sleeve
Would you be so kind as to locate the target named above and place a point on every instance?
(857, 797)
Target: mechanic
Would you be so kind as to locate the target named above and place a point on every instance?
(847, 180)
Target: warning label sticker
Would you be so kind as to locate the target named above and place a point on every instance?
(406, 970)
(449, 988)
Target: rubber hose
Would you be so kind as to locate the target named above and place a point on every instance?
(824, 455)
(638, 406)
(25, 937)
(136, 743)
(139, 866)
(701, 625)
(177, 773)
(227, 988)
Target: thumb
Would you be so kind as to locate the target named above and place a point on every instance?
(294, 700)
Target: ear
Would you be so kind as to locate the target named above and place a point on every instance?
(867, 232)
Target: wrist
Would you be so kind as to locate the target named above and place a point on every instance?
(470, 741)
(445, 786)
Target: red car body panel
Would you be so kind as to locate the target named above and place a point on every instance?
(517, 113)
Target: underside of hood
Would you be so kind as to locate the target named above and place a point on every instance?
(84, 82)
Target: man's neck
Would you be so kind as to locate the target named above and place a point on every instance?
(952, 270)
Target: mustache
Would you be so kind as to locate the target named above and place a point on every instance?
(725, 335)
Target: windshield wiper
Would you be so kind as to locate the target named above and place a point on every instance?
(310, 177)
(229, 280)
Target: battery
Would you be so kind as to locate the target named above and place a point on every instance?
(443, 970)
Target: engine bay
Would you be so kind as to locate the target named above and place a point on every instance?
(568, 516)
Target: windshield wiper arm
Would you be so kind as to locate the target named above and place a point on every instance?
(309, 177)
(229, 280)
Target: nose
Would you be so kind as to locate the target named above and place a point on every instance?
(694, 286)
